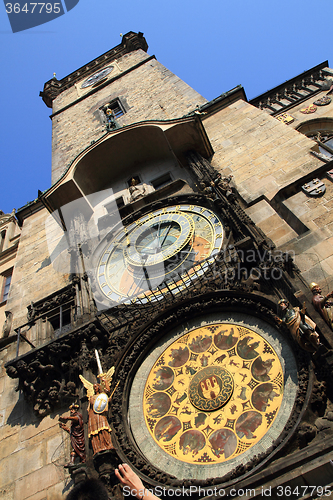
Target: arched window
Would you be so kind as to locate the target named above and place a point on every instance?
(321, 131)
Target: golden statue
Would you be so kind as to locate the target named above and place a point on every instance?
(301, 327)
(99, 431)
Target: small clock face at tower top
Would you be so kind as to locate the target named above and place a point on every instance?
(158, 247)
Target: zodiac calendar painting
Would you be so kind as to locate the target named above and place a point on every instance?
(213, 393)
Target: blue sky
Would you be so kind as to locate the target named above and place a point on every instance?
(212, 45)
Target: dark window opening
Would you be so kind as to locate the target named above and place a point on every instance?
(113, 110)
(61, 318)
(119, 202)
(161, 181)
(2, 239)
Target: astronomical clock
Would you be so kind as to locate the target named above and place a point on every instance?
(207, 379)
(155, 249)
(174, 290)
(207, 383)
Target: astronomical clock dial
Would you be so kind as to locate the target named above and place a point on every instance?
(157, 248)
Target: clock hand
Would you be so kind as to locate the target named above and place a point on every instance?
(166, 234)
(158, 235)
(137, 287)
(150, 248)
(155, 243)
(144, 258)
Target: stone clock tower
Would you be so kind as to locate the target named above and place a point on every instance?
(142, 256)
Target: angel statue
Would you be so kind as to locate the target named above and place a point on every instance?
(99, 431)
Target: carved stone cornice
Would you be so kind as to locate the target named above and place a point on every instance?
(130, 42)
(49, 375)
(48, 303)
(294, 91)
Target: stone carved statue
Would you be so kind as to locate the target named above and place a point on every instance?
(301, 327)
(220, 185)
(136, 190)
(76, 433)
(7, 324)
(99, 431)
(225, 185)
(322, 304)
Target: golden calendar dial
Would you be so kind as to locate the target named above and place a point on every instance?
(213, 393)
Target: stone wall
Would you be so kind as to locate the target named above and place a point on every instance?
(33, 451)
(263, 154)
(314, 248)
(34, 275)
(150, 92)
(266, 157)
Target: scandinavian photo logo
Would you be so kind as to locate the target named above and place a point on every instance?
(24, 15)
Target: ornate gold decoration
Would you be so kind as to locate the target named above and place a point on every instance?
(285, 118)
(216, 393)
(211, 388)
(309, 109)
(322, 101)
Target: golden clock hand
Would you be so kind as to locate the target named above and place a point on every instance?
(167, 232)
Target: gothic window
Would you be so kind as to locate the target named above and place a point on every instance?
(61, 318)
(324, 141)
(7, 278)
(2, 239)
(120, 202)
(54, 315)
